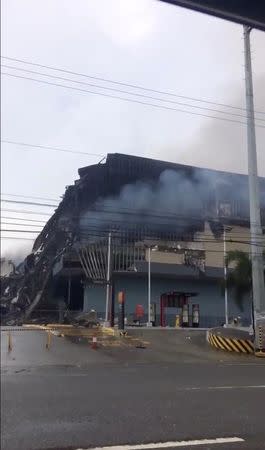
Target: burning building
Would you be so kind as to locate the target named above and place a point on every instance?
(130, 214)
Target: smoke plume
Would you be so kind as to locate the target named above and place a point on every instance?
(176, 201)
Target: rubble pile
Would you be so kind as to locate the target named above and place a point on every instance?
(24, 287)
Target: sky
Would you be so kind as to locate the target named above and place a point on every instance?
(141, 42)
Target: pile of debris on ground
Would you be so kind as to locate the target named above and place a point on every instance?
(23, 286)
(19, 285)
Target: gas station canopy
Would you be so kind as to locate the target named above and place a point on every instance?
(245, 12)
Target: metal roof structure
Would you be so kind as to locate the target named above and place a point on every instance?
(244, 12)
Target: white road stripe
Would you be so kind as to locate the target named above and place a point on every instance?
(213, 388)
(240, 364)
(169, 444)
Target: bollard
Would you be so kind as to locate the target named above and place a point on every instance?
(94, 342)
(121, 301)
(185, 315)
(49, 339)
(177, 324)
(195, 315)
(9, 345)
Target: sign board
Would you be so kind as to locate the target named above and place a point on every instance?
(139, 311)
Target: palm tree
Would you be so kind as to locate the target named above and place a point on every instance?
(240, 278)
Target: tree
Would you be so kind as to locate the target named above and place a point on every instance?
(240, 278)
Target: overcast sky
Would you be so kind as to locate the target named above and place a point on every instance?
(142, 42)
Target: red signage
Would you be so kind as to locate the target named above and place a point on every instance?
(139, 311)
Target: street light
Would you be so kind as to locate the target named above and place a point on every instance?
(150, 248)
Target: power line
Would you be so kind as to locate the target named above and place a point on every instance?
(20, 211)
(133, 213)
(206, 237)
(22, 202)
(45, 147)
(22, 224)
(165, 215)
(30, 196)
(123, 231)
(134, 86)
(20, 231)
(17, 238)
(175, 228)
(183, 221)
(104, 233)
(97, 231)
(195, 240)
(20, 218)
(128, 100)
(121, 210)
(33, 239)
(124, 211)
(87, 225)
(130, 93)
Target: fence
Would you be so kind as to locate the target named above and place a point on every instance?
(91, 335)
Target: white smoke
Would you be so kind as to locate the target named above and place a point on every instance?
(175, 201)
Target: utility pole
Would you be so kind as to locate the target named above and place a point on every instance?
(108, 280)
(149, 287)
(254, 197)
(225, 229)
(225, 278)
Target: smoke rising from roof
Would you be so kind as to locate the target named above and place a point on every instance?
(176, 201)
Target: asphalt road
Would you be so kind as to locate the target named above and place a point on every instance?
(72, 397)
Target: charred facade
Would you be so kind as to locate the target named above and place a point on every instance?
(142, 203)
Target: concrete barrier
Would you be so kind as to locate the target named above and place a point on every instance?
(230, 344)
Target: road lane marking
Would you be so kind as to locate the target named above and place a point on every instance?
(240, 364)
(216, 388)
(170, 444)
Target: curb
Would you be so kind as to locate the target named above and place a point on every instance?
(260, 353)
(114, 332)
(108, 331)
(230, 344)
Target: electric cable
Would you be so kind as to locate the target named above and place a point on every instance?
(134, 86)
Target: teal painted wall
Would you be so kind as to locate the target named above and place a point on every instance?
(210, 297)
